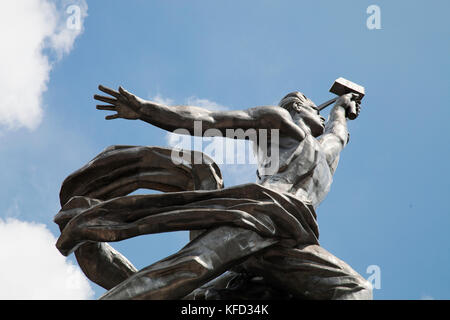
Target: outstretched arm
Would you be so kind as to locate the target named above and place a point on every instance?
(336, 135)
(170, 118)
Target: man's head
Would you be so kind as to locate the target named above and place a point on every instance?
(303, 110)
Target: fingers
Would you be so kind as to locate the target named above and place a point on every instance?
(358, 99)
(105, 99)
(355, 96)
(111, 117)
(106, 107)
(109, 91)
(129, 96)
(124, 92)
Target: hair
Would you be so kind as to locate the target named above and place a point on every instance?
(294, 101)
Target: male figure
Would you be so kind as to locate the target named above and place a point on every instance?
(297, 119)
(281, 243)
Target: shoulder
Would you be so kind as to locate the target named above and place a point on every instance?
(269, 111)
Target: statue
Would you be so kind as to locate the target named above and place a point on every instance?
(252, 241)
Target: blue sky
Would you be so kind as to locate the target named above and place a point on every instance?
(388, 205)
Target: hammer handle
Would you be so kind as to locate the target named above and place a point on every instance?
(326, 104)
(350, 112)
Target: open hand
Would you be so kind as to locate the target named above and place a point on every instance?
(126, 104)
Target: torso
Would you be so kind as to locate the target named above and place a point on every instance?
(302, 170)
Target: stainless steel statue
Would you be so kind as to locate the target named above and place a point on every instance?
(252, 241)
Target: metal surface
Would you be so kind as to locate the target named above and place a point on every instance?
(249, 239)
(327, 103)
(341, 87)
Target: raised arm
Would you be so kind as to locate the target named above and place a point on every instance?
(336, 135)
(170, 118)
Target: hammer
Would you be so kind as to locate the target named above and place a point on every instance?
(343, 86)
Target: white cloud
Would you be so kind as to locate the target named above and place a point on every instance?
(32, 267)
(190, 101)
(32, 31)
(160, 99)
(205, 103)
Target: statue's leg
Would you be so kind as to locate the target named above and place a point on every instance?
(310, 272)
(201, 260)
